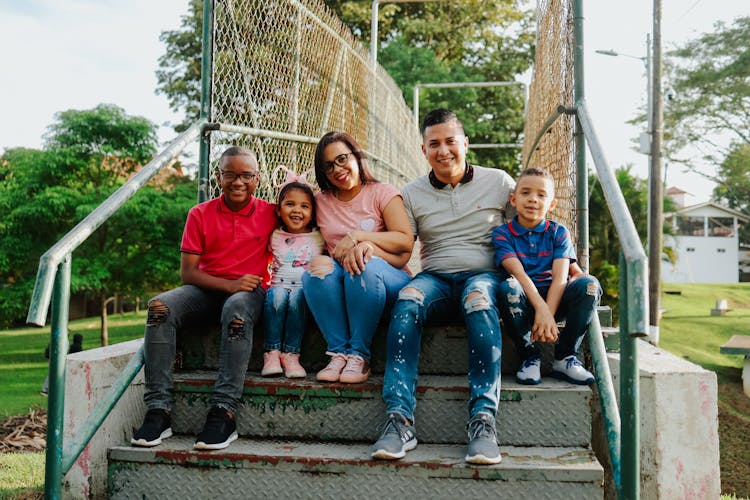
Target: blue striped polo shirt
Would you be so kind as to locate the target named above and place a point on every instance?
(536, 248)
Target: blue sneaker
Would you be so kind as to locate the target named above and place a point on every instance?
(530, 372)
(572, 370)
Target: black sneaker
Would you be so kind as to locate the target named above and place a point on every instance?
(156, 426)
(218, 432)
(396, 438)
(483, 449)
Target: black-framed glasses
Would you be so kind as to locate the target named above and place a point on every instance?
(339, 161)
(244, 176)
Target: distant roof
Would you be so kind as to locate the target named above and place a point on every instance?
(728, 210)
(676, 190)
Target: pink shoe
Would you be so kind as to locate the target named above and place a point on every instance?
(332, 372)
(292, 368)
(357, 370)
(271, 363)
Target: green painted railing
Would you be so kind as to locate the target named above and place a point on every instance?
(53, 286)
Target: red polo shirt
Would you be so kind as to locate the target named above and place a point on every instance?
(230, 244)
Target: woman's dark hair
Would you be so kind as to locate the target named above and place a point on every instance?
(305, 188)
(365, 175)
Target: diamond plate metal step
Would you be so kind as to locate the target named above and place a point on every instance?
(296, 469)
(554, 413)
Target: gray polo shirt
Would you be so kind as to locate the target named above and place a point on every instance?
(454, 224)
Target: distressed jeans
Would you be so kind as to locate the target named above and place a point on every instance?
(238, 312)
(437, 298)
(284, 318)
(577, 306)
(348, 308)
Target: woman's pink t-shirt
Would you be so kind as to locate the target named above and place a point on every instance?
(364, 212)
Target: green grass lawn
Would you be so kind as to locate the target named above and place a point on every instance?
(23, 365)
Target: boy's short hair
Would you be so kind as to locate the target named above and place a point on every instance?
(236, 151)
(536, 172)
(438, 116)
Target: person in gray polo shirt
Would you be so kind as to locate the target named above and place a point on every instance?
(453, 211)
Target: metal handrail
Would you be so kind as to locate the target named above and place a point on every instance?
(53, 278)
(40, 298)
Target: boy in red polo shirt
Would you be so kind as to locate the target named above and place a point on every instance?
(224, 269)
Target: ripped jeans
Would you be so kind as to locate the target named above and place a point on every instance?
(577, 306)
(348, 308)
(438, 298)
(188, 304)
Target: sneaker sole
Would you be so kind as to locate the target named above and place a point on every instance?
(562, 376)
(271, 373)
(148, 444)
(388, 455)
(200, 445)
(528, 381)
(355, 379)
(483, 460)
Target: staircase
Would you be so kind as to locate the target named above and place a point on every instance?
(303, 439)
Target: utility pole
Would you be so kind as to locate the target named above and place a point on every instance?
(656, 188)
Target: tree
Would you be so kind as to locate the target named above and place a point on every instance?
(733, 186)
(179, 76)
(434, 42)
(88, 154)
(710, 107)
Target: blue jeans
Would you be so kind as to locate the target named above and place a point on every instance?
(348, 308)
(577, 306)
(438, 298)
(284, 318)
(187, 304)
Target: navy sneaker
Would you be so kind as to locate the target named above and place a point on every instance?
(396, 438)
(156, 426)
(218, 432)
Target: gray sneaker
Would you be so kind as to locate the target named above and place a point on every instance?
(483, 449)
(396, 438)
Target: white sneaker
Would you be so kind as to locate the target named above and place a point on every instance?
(530, 372)
(572, 370)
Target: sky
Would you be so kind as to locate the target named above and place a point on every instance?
(79, 53)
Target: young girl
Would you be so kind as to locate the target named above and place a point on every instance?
(292, 246)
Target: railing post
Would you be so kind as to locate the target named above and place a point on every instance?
(58, 349)
(629, 392)
(205, 112)
(582, 175)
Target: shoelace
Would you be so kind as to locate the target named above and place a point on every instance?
(391, 426)
(529, 362)
(480, 428)
(572, 362)
(354, 363)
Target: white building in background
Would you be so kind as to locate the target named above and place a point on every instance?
(705, 242)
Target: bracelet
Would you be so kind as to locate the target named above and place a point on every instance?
(349, 234)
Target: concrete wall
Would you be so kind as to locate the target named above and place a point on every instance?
(89, 376)
(679, 426)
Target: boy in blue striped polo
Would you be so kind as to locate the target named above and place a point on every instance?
(537, 253)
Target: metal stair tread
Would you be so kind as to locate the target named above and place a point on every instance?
(563, 464)
(203, 381)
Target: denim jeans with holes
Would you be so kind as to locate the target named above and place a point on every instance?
(436, 298)
(284, 319)
(577, 307)
(347, 308)
(189, 304)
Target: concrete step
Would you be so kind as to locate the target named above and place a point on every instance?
(554, 413)
(297, 469)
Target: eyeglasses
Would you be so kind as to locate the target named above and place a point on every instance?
(244, 177)
(339, 161)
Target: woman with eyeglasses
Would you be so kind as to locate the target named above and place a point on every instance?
(369, 242)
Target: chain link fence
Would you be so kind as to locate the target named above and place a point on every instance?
(292, 71)
(551, 86)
